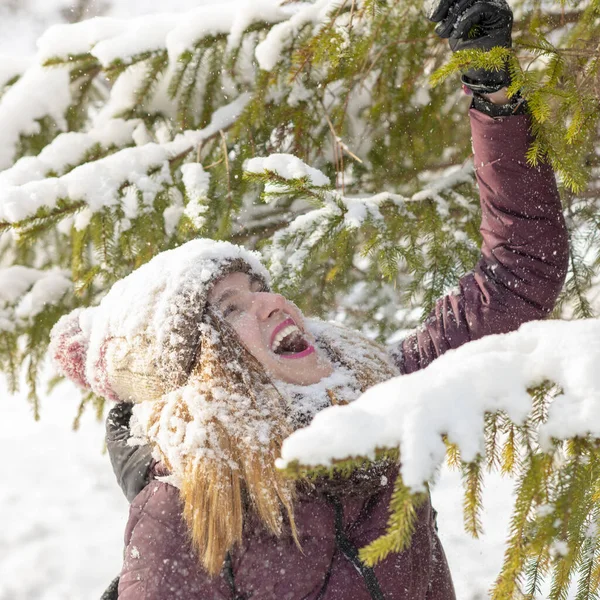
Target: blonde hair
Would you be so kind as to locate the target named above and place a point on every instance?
(236, 468)
(247, 421)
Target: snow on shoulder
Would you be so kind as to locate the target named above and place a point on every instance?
(454, 393)
(287, 166)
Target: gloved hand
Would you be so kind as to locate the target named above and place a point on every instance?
(475, 24)
(131, 464)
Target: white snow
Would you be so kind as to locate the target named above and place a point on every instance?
(196, 182)
(293, 244)
(76, 38)
(62, 514)
(449, 179)
(11, 66)
(412, 412)
(144, 34)
(66, 150)
(268, 52)
(97, 183)
(221, 19)
(287, 166)
(25, 292)
(47, 290)
(22, 105)
(108, 38)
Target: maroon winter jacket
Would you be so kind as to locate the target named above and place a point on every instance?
(520, 273)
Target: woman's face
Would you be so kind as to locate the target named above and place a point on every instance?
(271, 328)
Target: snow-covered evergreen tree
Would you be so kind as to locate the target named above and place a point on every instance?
(312, 132)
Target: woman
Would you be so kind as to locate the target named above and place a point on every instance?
(220, 370)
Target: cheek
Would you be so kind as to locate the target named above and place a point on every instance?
(249, 333)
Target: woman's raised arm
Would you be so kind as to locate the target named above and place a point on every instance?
(524, 253)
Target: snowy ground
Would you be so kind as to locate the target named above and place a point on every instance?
(62, 514)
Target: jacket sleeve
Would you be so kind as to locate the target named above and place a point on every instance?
(524, 253)
(131, 464)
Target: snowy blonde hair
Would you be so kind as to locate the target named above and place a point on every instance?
(230, 467)
(243, 418)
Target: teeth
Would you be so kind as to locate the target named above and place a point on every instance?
(283, 333)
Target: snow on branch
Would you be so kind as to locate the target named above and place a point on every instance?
(268, 52)
(111, 39)
(288, 167)
(56, 87)
(99, 183)
(452, 396)
(12, 67)
(23, 106)
(67, 150)
(26, 292)
(294, 246)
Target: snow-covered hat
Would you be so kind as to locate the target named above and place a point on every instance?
(140, 342)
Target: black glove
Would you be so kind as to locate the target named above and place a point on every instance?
(476, 24)
(131, 464)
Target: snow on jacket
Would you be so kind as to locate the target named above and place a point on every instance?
(517, 279)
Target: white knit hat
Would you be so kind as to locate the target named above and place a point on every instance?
(141, 340)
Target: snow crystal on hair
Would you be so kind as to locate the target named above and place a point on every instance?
(68, 347)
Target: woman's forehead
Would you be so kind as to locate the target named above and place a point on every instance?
(231, 281)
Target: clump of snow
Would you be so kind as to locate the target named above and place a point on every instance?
(454, 393)
(287, 166)
(66, 150)
(298, 94)
(559, 548)
(47, 290)
(292, 245)
(217, 19)
(109, 39)
(23, 105)
(196, 182)
(11, 67)
(269, 51)
(143, 34)
(452, 177)
(98, 183)
(77, 38)
(172, 214)
(358, 210)
(25, 292)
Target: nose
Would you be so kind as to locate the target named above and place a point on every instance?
(264, 304)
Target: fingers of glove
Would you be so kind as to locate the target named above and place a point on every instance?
(485, 16)
(437, 10)
(118, 418)
(445, 28)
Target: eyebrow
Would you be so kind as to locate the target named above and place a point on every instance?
(231, 292)
(225, 295)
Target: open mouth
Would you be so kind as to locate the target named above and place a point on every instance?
(288, 341)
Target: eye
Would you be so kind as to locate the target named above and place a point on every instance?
(257, 285)
(230, 309)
